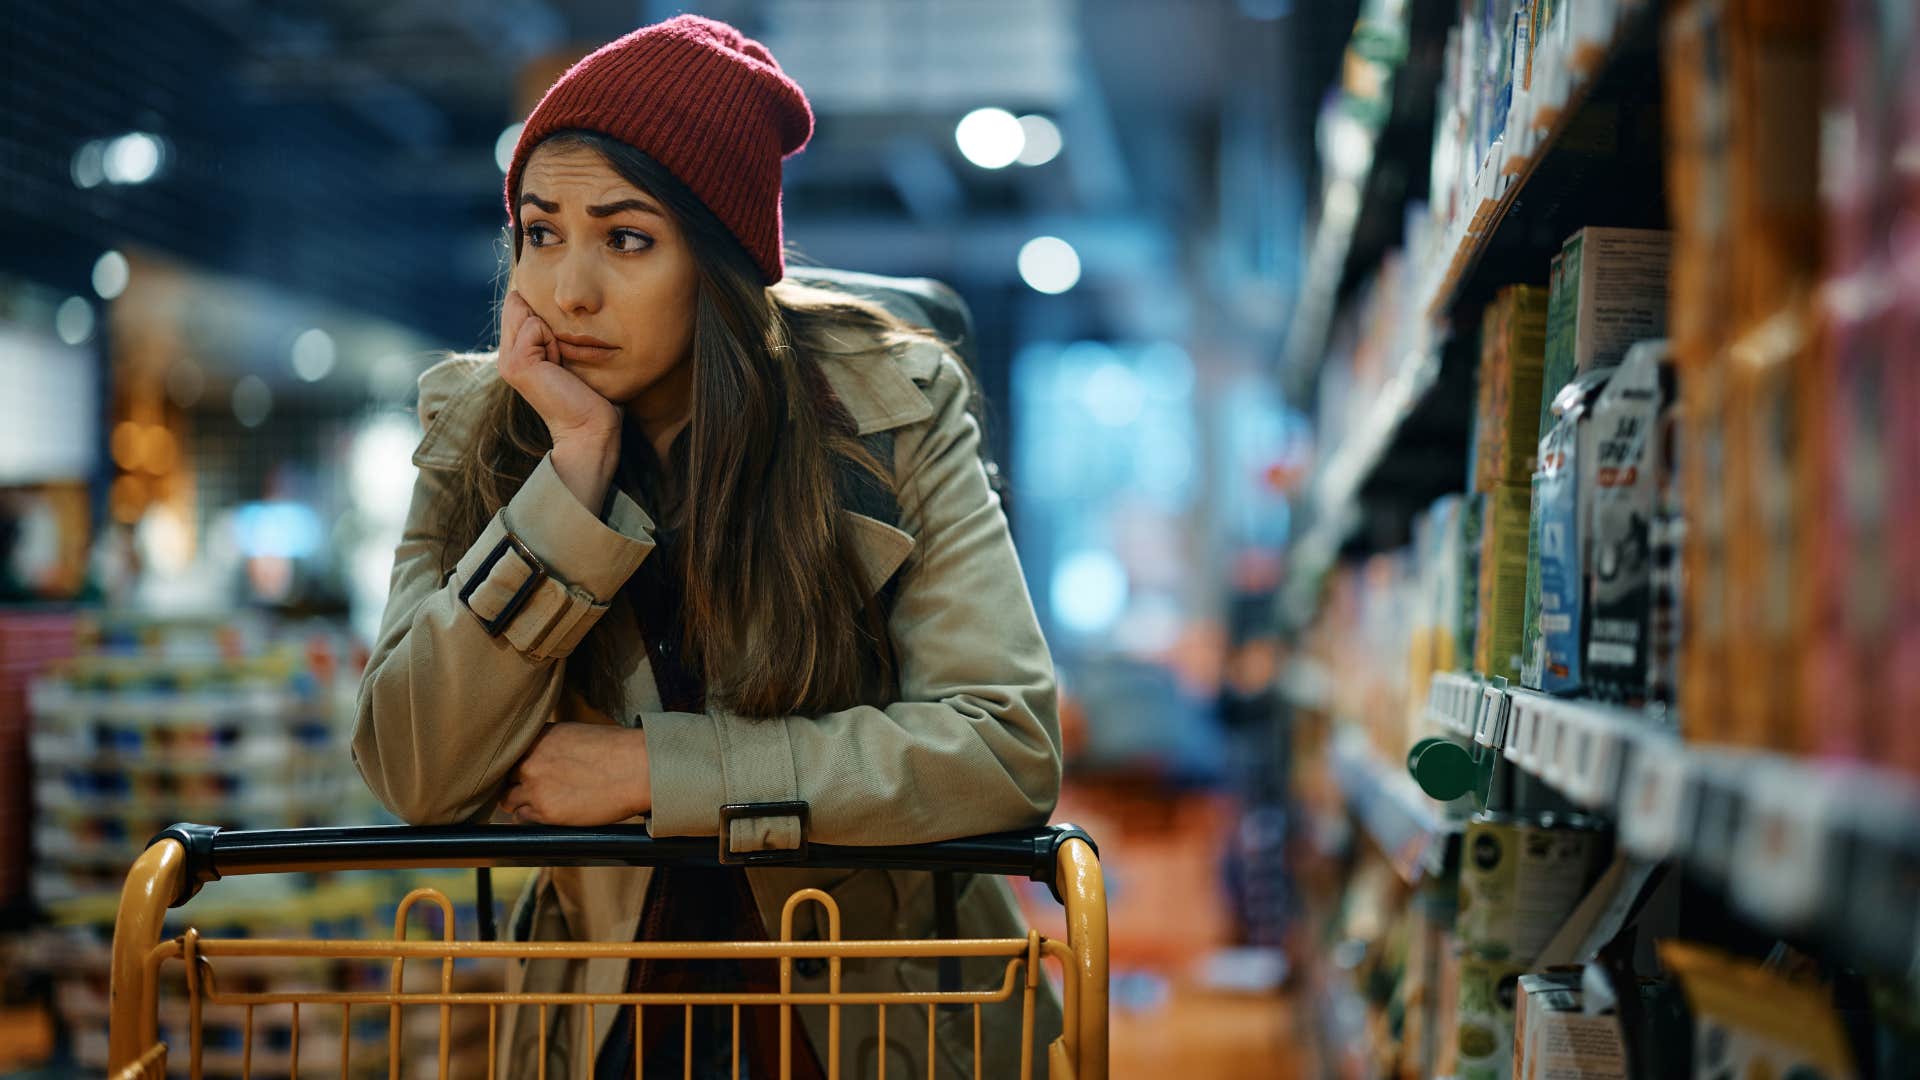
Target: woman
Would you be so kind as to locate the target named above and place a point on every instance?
(642, 576)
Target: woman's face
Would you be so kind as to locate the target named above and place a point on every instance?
(600, 261)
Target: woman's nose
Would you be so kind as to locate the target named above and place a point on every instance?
(576, 286)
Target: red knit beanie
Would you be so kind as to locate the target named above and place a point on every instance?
(705, 101)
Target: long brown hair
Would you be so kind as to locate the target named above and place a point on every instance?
(776, 616)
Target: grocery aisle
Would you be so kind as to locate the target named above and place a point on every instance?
(1604, 693)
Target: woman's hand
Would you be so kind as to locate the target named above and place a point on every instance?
(584, 425)
(581, 774)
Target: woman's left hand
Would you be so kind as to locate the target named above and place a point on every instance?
(580, 774)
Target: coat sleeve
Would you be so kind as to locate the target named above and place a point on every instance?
(973, 744)
(445, 706)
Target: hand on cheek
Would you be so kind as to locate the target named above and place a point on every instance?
(580, 774)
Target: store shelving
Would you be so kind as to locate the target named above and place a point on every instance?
(1582, 148)
(1805, 846)
(1413, 831)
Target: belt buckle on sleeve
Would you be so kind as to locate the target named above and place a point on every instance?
(520, 596)
(741, 811)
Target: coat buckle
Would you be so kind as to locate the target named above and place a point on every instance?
(733, 812)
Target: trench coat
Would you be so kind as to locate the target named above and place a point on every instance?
(970, 745)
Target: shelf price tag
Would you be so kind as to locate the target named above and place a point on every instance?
(1655, 810)
(1787, 843)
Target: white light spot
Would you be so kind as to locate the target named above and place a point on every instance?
(1049, 264)
(88, 169)
(1089, 591)
(73, 320)
(132, 158)
(252, 401)
(1114, 395)
(392, 377)
(110, 274)
(1042, 140)
(313, 355)
(990, 138)
(503, 146)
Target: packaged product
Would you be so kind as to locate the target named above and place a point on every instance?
(1520, 877)
(1558, 541)
(1666, 535)
(1751, 1021)
(1501, 604)
(1620, 478)
(1609, 291)
(1554, 1039)
(1512, 339)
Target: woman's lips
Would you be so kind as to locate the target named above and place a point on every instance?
(577, 353)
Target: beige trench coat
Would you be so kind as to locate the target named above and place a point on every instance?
(972, 744)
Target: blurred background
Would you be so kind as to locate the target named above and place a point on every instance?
(1271, 299)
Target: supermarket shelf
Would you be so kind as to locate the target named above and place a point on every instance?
(1357, 227)
(1406, 825)
(1804, 846)
(1533, 188)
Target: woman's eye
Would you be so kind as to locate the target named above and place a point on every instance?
(536, 234)
(641, 241)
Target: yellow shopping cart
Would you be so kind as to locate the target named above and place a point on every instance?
(182, 859)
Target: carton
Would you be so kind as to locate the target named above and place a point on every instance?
(1610, 290)
(1502, 595)
(1512, 344)
(1558, 542)
(1620, 478)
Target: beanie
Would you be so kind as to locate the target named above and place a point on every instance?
(707, 102)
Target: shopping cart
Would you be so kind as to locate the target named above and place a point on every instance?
(182, 859)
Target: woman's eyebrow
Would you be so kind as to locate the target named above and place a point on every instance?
(604, 210)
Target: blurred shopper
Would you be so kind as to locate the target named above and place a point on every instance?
(695, 537)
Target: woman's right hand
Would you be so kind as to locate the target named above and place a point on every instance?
(585, 426)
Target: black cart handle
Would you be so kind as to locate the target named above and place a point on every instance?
(213, 852)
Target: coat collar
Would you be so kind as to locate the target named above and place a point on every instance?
(881, 390)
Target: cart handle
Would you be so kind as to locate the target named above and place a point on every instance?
(213, 852)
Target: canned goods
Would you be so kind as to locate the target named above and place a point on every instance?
(1520, 877)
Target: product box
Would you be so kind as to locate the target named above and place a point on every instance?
(1512, 342)
(1501, 603)
(1554, 1039)
(1666, 535)
(1610, 290)
(1764, 487)
(1621, 479)
(1558, 541)
(1697, 95)
(1750, 1021)
(1473, 513)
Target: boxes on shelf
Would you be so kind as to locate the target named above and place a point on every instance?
(1512, 342)
(1559, 540)
(1501, 602)
(1751, 1021)
(1623, 475)
(1609, 290)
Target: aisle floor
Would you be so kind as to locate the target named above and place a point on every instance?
(1202, 1034)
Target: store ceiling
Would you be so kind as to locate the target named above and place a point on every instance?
(287, 119)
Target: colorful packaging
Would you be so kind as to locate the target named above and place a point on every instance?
(1554, 1039)
(1750, 1021)
(1558, 541)
(1512, 346)
(1666, 535)
(1485, 1019)
(1502, 599)
(1621, 481)
(1519, 880)
(1473, 514)
(1610, 290)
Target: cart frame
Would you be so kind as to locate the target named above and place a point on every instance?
(178, 862)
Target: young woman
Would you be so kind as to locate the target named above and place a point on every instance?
(637, 582)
